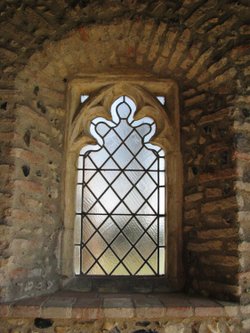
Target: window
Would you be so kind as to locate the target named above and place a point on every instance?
(120, 199)
(125, 217)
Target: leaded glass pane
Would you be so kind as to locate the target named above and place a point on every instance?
(120, 198)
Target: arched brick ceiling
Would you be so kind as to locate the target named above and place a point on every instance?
(27, 24)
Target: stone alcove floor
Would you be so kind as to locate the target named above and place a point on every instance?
(69, 304)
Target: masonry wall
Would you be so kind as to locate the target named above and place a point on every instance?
(201, 45)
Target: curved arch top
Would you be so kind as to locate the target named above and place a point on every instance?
(100, 101)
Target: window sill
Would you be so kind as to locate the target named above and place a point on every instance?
(98, 306)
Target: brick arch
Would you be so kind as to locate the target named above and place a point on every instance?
(210, 74)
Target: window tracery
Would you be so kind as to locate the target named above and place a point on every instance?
(120, 200)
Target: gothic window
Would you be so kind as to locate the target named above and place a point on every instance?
(123, 179)
(120, 199)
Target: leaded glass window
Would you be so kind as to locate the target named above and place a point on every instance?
(120, 197)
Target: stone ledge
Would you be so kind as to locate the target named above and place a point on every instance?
(91, 306)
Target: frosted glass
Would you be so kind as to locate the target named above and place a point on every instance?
(153, 232)
(143, 130)
(89, 230)
(80, 176)
(98, 184)
(108, 261)
(109, 230)
(154, 176)
(145, 246)
(161, 178)
(146, 209)
(77, 230)
(79, 198)
(99, 157)
(121, 246)
(134, 176)
(161, 231)
(161, 99)
(153, 200)
(110, 164)
(122, 209)
(83, 98)
(110, 175)
(135, 165)
(102, 129)
(96, 245)
(134, 200)
(97, 209)
(146, 157)
(123, 111)
(96, 270)
(112, 141)
(162, 164)
(109, 200)
(122, 186)
(162, 260)
(120, 270)
(96, 220)
(119, 197)
(77, 259)
(153, 260)
(123, 156)
(146, 185)
(123, 129)
(122, 220)
(146, 270)
(88, 199)
(133, 231)
(89, 174)
(134, 142)
(87, 260)
(133, 261)
(89, 164)
(162, 200)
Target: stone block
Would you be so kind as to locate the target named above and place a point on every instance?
(118, 308)
(246, 324)
(148, 307)
(177, 328)
(180, 48)
(213, 192)
(217, 233)
(219, 205)
(206, 308)
(207, 246)
(58, 307)
(156, 42)
(194, 70)
(168, 45)
(221, 260)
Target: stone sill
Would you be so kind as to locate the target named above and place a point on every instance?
(92, 306)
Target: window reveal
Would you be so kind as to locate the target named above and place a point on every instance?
(120, 198)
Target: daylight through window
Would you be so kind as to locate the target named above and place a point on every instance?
(120, 198)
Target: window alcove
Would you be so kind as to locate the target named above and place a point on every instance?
(120, 130)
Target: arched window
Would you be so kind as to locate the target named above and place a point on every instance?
(123, 155)
(120, 199)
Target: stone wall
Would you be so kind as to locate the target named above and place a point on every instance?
(201, 45)
(211, 325)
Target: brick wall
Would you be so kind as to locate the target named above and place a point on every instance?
(200, 44)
